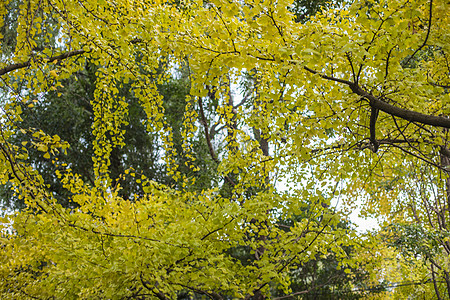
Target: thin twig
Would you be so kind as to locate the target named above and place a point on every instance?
(426, 38)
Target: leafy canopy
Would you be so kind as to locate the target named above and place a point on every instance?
(351, 94)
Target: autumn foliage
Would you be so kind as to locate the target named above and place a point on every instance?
(346, 109)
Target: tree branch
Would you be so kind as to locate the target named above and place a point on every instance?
(158, 294)
(204, 122)
(426, 38)
(390, 109)
(402, 113)
(27, 63)
(373, 122)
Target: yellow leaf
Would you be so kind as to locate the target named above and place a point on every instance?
(42, 148)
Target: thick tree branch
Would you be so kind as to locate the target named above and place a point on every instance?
(392, 110)
(405, 114)
(27, 63)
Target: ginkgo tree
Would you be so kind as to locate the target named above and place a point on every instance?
(340, 104)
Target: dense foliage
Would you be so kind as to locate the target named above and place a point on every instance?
(346, 107)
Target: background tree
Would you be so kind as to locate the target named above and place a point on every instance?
(68, 113)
